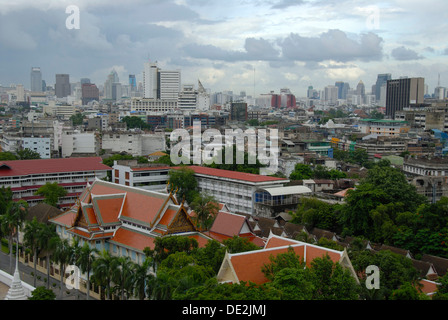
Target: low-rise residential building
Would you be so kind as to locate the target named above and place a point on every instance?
(383, 127)
(25, 177)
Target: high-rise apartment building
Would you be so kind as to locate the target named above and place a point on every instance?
(151, 81)
(132, 82)
(170, 84)
(402, 93)
(36, 79)
(62, 86)
(343, 88)
(90, 92)
(381, 81)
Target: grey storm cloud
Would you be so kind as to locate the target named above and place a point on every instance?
(332, 45)
(286, 4)
(402, 54)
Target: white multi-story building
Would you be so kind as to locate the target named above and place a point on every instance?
(75, 142)
(235, 189)
(41, 145)
(170, 84)
(132, 143)
(150, 83)
(130, 173)
(153, 105)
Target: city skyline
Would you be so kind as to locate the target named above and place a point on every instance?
(252, 46)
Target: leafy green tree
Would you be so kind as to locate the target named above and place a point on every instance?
(332, 281)
(42, 293)
(238, 244)
(77, 119)
(301, 172)
(51, 192)
(395, 270)
(6, 155)
(27, 154)
(407, 291)
(183, 183)
(133, 122)
(313, 212)
(165, 246)
(442, 288)
(211, 255)
(235, 164)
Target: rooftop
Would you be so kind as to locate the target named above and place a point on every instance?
(42, 166)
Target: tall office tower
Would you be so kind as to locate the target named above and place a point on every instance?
(84, 81)
(238, 111)
(170, 84)
(151, 81)
(361, 89)
(36, 79)
(331, 94)
(111, 81)
(132, 82)
(402, 93)
(380, 81)
(62, 86)
(343, 88)
(90, 92)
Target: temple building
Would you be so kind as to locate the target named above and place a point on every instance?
(125, 220)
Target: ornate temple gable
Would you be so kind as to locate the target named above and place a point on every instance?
(107, 208)
(181, 222)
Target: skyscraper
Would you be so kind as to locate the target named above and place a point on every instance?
(132, 82)
(150, 81)
(380, 81)
(402, 93)
(36, 79)
(110, 86)
(62, 86)
(170, 84)
(343, 88)
(90, 92)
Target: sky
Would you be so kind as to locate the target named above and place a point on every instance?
(255, 46)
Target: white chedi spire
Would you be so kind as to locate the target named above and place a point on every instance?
(16, 291)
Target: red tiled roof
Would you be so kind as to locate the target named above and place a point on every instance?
(41, 166)
(228, 224)
(248, 265)
(140, 205)
(133, 239)
(229, 174)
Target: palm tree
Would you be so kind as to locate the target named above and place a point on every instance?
(31, 241)
(11, 221)
(142, 278)
(206, 208)
(85, 262)
(63, 254)
(48, 240)
(103, 269)
(122, 274)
